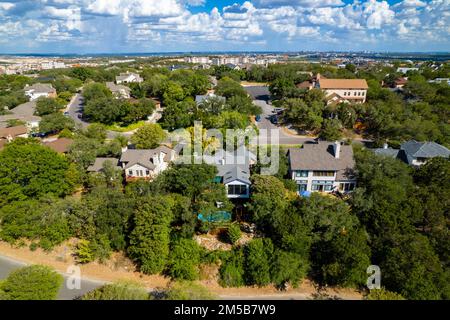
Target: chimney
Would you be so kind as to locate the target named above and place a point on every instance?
(337, 149)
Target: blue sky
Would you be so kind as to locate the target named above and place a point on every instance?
(116, 26)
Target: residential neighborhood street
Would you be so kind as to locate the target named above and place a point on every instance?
(284, 138)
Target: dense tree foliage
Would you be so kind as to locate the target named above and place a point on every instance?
(29, 170)
(122, 290)
(31, 283)
(148, 136)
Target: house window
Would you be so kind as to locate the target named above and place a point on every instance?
(130, 172)
(301, 173)
(345, 93)
(302, 185)
(147, 172)
(355, 93)
(237, 189)
(323, 173)
(363, 93)
(346, 186)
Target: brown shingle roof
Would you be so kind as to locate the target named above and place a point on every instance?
(13, 131)
(60, 145)
(320, 156)
(343, 84)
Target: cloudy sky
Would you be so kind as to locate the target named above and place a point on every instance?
(117, 26)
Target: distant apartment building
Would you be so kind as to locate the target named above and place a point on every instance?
(128, 77)
(322, 166)
(440, 80)
(38, 90)
(52, 65)
(199, 60)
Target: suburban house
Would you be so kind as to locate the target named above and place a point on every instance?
(400, 82)
(202, 98)
(9, 134)
(40, 90)
(119, 91)
(338, 90)
(147, 163)
(233, 170)
(60, 145)
(128, 77)
(343, 90)
(322, 166)
(100, 163)
(415, 153)
(24, 113)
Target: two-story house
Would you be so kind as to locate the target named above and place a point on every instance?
(233, 170)
(128, 77)
(147, 163)
(338, 90)
(40, 90)
(322, 166)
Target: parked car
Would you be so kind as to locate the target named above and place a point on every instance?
(274, 119)
(80, 116)
(258, 118)
(66, 113)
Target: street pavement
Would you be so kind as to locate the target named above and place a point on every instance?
(264, 123)
(7, 265)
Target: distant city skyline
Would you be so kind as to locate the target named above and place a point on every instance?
(165, 26)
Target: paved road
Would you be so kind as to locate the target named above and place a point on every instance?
(7, 265)
(265, 123)
(76, 108)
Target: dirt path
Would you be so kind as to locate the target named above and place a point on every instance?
(121, 268)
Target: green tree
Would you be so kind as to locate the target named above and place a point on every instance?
(84, 252)
(55, 122)
(47, 106)
(149, 240)
(288, 267)
(32, 283)
(148, 136)
(93, 91)
(258, 257)
(232, 269)
(29, 170)
(178, 115)
(96, 131)
(304, 116)
(331, 130)
(227, 87)
(184, 259)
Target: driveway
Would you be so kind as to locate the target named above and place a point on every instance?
(7, 265)
(284, 138)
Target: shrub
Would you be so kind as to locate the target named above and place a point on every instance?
(122, 290)
(234, 233)
(188, 291)
(383, 294)
(32, 283)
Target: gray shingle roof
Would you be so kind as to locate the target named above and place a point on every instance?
(117, 87)
(41, 88)
(98, 164)
(320, 156)
(424, 149)
(232, 173)
(144, 157)
(388, 152)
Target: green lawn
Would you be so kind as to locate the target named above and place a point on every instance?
(131, 127)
